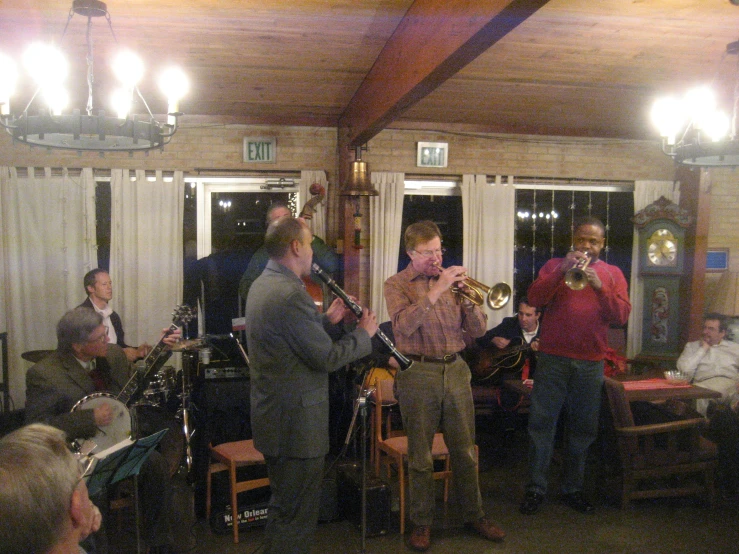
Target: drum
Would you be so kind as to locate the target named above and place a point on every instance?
(148, 419)
(162, 387)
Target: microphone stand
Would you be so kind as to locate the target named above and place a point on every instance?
(360, 407)
(362, 401)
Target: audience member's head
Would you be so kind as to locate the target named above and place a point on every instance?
(44, 505)
(723, 323)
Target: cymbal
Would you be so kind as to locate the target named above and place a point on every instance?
(35, 356)
(188, 344)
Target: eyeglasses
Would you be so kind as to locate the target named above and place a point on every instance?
(431, 253)
(101, 338)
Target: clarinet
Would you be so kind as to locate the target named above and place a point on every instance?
(404, 362)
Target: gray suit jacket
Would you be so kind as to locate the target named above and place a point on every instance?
(58, 381)
(292, 349)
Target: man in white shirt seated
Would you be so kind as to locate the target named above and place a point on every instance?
(712, 362)
(99, 289)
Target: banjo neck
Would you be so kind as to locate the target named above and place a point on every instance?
(153, 363)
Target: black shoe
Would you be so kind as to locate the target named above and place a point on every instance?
(531, 502)
(577, 501)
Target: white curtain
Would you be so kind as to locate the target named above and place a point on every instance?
(488, 225)
(645, 192)
(386, 221)
(48, 244)
(146, 251)
(307, 178)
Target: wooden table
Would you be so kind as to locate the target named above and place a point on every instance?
(649, 394)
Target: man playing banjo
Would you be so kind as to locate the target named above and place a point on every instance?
(84, 363)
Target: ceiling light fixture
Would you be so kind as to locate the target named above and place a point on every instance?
(694, 132)
(52, 128)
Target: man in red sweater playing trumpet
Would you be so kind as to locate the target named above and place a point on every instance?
(572, 345)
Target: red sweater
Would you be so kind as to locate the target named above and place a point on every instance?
(575, 323)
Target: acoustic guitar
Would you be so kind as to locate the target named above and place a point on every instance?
(491, 359)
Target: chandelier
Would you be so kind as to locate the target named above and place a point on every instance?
(51, 127)
(694, 132)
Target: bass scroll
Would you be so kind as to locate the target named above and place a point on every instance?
(404, 362)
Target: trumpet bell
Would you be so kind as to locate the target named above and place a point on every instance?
(498, 296)
(576, 279)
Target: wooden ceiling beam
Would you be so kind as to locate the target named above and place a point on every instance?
(435, 39)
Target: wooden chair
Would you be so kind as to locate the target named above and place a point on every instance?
(230, 456)
(371, 381)
(392, 448)
(659, 460)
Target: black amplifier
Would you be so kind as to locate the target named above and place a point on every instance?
(349, 488)
(226, 373)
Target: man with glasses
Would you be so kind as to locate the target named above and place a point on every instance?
(84, 363)
(430, 324)
(44, 505)
(712, 362)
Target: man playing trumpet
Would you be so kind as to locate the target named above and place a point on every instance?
(429, 326)
(569, 371)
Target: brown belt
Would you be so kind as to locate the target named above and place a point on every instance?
(430, 359)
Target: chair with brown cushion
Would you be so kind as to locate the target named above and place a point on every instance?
(392, 448)
(228, 457)
(657, 460)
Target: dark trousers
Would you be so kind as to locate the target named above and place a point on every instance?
(292, 517)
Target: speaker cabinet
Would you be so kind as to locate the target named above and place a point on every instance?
(221, 413)
(349, 487)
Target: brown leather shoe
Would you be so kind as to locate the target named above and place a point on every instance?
(420, 539)
(486, 529)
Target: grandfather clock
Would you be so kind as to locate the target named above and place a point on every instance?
(661, 229)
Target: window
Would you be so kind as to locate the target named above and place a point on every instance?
(544, 219)
(441, 202)
(223, 227)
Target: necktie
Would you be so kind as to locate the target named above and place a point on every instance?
(97, 377)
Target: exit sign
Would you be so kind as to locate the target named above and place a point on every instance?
(260, 149)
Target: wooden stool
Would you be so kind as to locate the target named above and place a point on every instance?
(229, 456)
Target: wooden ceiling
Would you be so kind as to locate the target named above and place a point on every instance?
(588, 68)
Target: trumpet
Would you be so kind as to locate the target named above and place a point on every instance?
(575, 277)
(496, 296)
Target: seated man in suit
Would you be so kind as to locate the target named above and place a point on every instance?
(712, 362)
(84, 363)
(44, 505)
(99, 289)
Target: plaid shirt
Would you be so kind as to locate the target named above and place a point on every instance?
(423, 328)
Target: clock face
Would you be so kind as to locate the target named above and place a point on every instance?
(662, 249)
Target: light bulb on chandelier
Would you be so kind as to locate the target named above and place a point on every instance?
(694, 130)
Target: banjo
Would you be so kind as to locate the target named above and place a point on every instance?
(120, 428)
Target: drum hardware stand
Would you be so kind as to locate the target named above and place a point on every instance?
(183, 412)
